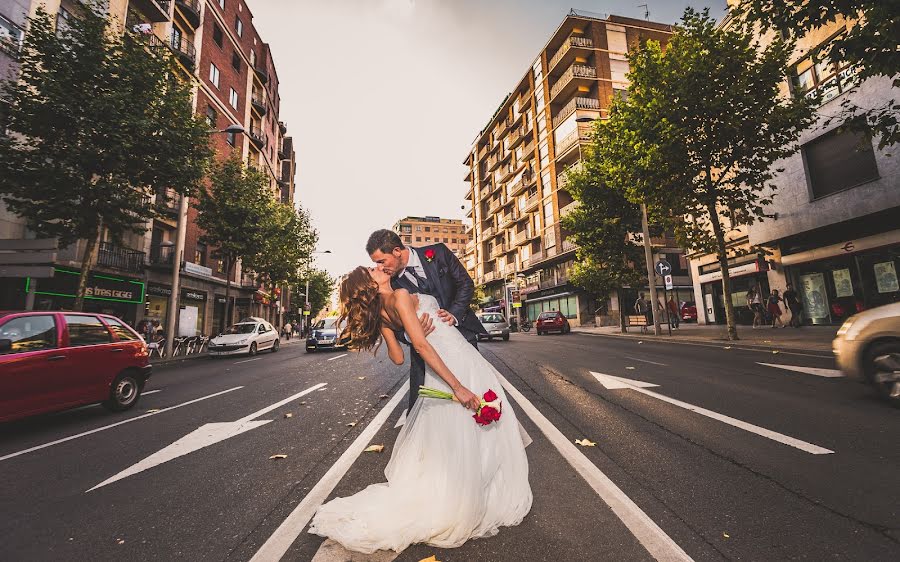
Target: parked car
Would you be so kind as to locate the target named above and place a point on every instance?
(552, 321)
(52, 361)
(867, 347)
(688, 311)
(326, 335)
(496, 326)
(249, 336)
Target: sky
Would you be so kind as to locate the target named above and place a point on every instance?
(384, 98)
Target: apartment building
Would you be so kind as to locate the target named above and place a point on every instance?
(232, 70)
(424, 231)
(517, 163)
(835, 236)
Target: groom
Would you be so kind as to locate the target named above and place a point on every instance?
(432, 270)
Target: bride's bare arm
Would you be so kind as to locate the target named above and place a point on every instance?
(406, 310)
(395, 352)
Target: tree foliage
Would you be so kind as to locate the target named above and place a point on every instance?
(870, 43)
(97, 121)
(699, 133)
(321, 285)
(287, 242)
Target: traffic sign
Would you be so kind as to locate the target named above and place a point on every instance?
(668, 280)
(663, 267)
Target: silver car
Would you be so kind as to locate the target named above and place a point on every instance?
(496, 326)
(867, 347)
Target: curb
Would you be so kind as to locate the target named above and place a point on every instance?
(170, 361)
(711, 342)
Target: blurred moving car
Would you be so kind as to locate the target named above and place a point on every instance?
(552, 321)
(249, 336)
(325, 334)
(52, 361)
(867, 347)
(496, 326)
(688, 311)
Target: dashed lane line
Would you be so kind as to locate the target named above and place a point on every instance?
(338, 357)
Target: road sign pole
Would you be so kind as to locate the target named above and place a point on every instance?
(651, 278)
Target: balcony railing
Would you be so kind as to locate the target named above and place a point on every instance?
(582, 133)
(574, 71)
(520, 237)
(576, 103)
(498, 250)
(489, 276)
(569, 245)
(257, 136)
(494, 205)
(184, 50)
(190, 9)
(568, 208)
(534, 259)
(154, 10)
(161, 255)
(115, 257)
(487, 232)
(532, 202)
(258, 104)
(573, 41)
(509, 269)
(261, 73)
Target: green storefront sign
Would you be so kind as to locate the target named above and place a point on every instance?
(64, 283)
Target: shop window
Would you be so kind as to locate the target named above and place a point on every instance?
(839, 160)
(30, 333)
(821, 79)
(86, 330)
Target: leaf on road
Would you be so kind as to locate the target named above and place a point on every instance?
(726, 535)
(120, 541)
(303, 403)
(640, 342)
(585, 443)
(373, 449)
(727, 347)
(152, 410)
(276, 457)
(630, 368)
(430, 559)
(383, 396)
(361, 378)
(351, 424)
(775, 351)
(289, 415)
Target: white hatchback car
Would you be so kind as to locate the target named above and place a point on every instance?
(248, 336)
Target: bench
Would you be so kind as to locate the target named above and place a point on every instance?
(632, 320)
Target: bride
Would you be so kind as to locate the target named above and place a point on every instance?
(449, 479)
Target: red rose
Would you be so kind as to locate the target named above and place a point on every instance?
(481, 420)
(490, 414)
(490, 396)
(429, 254)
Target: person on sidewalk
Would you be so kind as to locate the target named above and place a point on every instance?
(673, 312)
(772, 304)
(287, 331)
(792, 301)
(754, 303)
(642, 307)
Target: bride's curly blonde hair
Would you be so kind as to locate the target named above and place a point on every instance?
(361, 306)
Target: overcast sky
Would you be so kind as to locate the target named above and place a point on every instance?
(384, 98)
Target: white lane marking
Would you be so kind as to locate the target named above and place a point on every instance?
(247, 360)
(827, 373)
(714, 345)
(151, 392)
(645, 361)
(286, 533)
(201, 437)
(654, 539)
(105, 427)
(338, 357)
(612, 382)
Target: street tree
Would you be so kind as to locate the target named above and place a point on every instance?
(869, 44)
(700, 130)
(286, 245)
(97, 122)
(235, 215)
(321, 285)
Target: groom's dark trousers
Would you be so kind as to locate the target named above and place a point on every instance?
(447, 280)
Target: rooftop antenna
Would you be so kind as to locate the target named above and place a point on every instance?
(646, 11)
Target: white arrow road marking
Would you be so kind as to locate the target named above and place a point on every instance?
(828, 373)
(110, 426)
(612, 383)
(645, 530)
(338, 357)
(206, 435)
(286, 533)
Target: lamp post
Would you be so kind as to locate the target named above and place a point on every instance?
(306, 315)
(177, 254)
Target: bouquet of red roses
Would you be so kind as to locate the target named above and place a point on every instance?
(490, 410)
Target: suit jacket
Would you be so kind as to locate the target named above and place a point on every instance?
(448, 282)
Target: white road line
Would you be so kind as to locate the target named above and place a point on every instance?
(827, 373)
(247, 360)
(338, 357)
(281, 403)
(654, 539)
(110, 426)
(151, 392)
(645, 361)
(280, 541)
(718, 345)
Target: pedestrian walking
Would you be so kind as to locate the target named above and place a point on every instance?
(754, 303)
(772, 304)
(641, 306)
(287, 330)
(792, 301)
(674, 316)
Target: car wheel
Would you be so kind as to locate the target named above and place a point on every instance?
(275, 346)
(252, 351)
(566, 329)
(124, 392)
(506, 337)
(882, 369)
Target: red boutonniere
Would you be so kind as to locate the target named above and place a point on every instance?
(429, 254)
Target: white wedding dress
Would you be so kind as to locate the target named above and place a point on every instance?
(449, 479)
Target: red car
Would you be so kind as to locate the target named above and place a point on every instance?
(552, 321)
(688, 311)
(57, 360)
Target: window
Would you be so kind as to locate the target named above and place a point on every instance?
(214, 75)
(428, 239)
(418, 228)
(63, 17)
(200, 254)
(231, 138)
(236, 61)
(819, 78)
(211, 116)
(120, 330)
(233, 98)
(427, 229)
(238, 26)
(616, 39)
(839, 160)
(29, 333)
(10, 37)
(86, 330)
(418, 238)
(222, 4)
(445, 240)
(218, 35)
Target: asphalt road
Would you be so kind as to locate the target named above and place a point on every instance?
(725, 458)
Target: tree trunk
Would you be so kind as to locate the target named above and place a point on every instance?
(227, 320)
(86, 263)
(723, 264)
(622, 325)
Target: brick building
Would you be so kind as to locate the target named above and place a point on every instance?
(424, 231)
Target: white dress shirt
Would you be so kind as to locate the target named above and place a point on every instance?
(415, 262)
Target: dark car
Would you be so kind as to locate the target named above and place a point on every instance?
(326, 335)
(52, 361)
(552, 321)
(688, 311)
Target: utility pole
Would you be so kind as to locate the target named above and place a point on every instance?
(651, 274)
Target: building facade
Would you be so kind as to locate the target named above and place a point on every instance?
(517, 164)
(425, 231)
(837, 205)
(233, 74)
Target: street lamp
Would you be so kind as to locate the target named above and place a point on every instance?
(180, 232)
(306, 294)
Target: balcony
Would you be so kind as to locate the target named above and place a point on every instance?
(257, 102)
(525, 99)
(535, 258)
(576, 75)
(509, 269)
(581, 134)
(498, 250)
(112, 256)
(282, 153)
(190, 11)
(155, 10)
(494, 205)
(487, 233)
(161, 254)
(563, 211)
(571, 43)
(257, 136)
(489, 276)
(576, 103)
(569, 245)
(532, 203)
(261, 73)
(521, 237)
(485, 191)
(506, 220)
(492, 161)
(184, 50)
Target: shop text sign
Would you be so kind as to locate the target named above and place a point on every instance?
(64, 283)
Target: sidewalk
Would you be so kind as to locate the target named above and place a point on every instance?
(807, 338)
(168, 361)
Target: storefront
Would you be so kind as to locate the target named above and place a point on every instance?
(192, 313)
(105, 294)
(157, 303)
(218, 325)
(749, 272)
(563, 299)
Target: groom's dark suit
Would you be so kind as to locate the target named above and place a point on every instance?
(447, 281)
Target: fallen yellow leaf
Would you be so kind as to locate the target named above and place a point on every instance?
(373, 449)
(351, 424)
(289, 415)
(430, 559)
(361, 378)
(303, 403)
(384, 396)
(775, 352)
(276, 457)
(585, 443)
(726, 535)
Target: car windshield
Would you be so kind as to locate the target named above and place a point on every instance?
(492, 318)
(546, 315)
(240, 329)
(326, 324)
